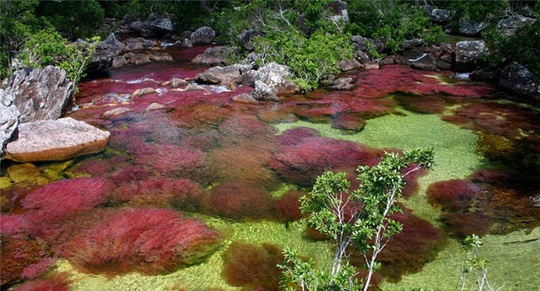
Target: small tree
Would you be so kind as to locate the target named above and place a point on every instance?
(358, 218)
(474, 263)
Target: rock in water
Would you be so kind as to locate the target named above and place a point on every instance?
(41, 94)
(9, 119)
(203, 35)
(55, 140)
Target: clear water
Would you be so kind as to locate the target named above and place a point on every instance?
(238, 142)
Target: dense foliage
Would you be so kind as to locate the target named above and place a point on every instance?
(310, 36)
(353, 218)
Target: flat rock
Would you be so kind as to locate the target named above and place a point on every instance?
(56, 140)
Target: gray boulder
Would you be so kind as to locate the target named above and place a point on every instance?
(41, 94)
(264, 92)
(55, 140)
(517, 79)
(9, 119)
(343, 84)
(245, 38)
(213, 56)
(203, 35)
(106, 52)
(470, 27)
(510, 24)
(440, 15)
(272, 74)
(221, 75)
(468, 53)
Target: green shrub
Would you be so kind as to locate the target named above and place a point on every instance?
(392, 22)
(48, 47)
(73, 19)
(522, 47)
(311, 59)
(17, 19)
(358, 218)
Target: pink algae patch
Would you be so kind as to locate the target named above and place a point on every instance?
(61, 199)
(393, 78)
(238, 200)
(301, 163)
(59, 282)
(146, 240)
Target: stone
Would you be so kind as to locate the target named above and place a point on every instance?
(219, 75)
(106, 53)
(513, 22)
(143, 91)
(177, 82)
(272, 74)
(468, 53)
(412, 43)
(440, 15)
(470, 27)
(348, 65)
(56, 140)
(343, 84)
(426, 63)
(160, 57)
(186, 43)
(371, 66)
(245, 98)
(116, 112)
(213, 56)
(264, 92)
(119, 62)
(138, 59)
(154, 106)
(203, 35)
(517, 79)
(41, 94)
(9, 119)
(245, 38)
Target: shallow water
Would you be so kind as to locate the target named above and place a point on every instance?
(229, 165)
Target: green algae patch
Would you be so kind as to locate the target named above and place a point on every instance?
(455, 156)
(512, 261)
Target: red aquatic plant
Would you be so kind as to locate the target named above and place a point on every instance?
(349, 122)
(173, 161)
(409, 250)
(160, 192)
(464, 224)
(241, 127)
(146, 240)
(288, 206)
(35, 270)
(238, 199)
(252, 267)
(11, 224)
(301, 163)
(64, 198)
(58, 282)
(421, 104)
(18, 253)
(296, 135)
(453, 195)
(246, 163)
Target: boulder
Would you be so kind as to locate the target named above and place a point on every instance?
(468, 53)
(213, 56)
(440, 15)
(348, 65)
(105, 54)
(160, 57)
(55, 140)
(245, 98)
(161, 24)
(343, 84)
(9, 119)
(339, 11)
(41, 94)
(272, 74)
(245, 38)
(510, 24)
(470, 27)
(517, 79)
(203, 35)
(264, 92)
(426, 63)
(221, 75)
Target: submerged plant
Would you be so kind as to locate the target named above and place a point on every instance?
(353, 218)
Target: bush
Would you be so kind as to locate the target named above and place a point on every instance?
(48, 47)
(311, 58)
(73, 19)
(392, 22)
